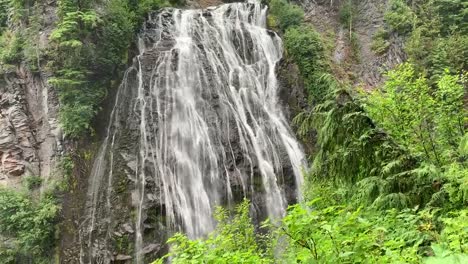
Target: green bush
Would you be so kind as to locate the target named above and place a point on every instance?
(285, 15)
(448, 53)
(380, 43)
(233, 241)
(115, 36)
(304, 45)
(142, 8)
(29, 226)
(4, 9)
(437, 37)
(346, 13)
(33, 182)
(340, 234)
(425, 121)
(11, 45)
(400, 17)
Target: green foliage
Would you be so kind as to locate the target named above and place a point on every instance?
(400, 17)
(401, 146)
(29, 226)
(11, 45)
(324, 231)
(285, 15)
(76, 118)
(73, 27)
(233, 241)
(428, 123)
(115, 37)
(143, 7)
(339, 234)
(17, 9)
(89, 48)
(448, 53)
(347, 12)
(4, 8)
(19, 41)
(304, 46)
(436, 32)
(67, 165)
(454, 236)
(33, 182)
(443, 256)
(454, 14)
(380, 43)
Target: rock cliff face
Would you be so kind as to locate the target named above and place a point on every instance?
(30, 138)
(366, 68)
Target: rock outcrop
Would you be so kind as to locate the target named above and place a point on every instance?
(366, 68)
(30, 138)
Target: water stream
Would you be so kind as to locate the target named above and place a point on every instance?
(202, 103)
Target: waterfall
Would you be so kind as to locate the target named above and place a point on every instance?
(197, 123)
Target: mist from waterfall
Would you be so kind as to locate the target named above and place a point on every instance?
(203, 98)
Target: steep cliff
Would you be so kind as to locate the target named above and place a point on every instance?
(31, 138)
(349, 28)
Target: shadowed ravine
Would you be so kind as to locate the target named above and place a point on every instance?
(196, 123)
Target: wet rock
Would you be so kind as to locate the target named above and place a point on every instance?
(128, 228)
(151, 248)
(121, 257)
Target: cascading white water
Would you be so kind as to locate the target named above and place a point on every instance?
(206, 104)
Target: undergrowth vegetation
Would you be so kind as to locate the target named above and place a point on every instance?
(27, 227)
(388, 181)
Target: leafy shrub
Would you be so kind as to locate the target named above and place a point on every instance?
(115, 36)
(400, 17)
(346, 13)
(4, 8)
(454, 236)
(448, 53)
(233, 241)
(453, 14)
(339, 234)
(142, 8)
(11, 45)
(319, 231)
(438, 35)
(30, 226)
(443, 256)
(304, 46)
(33, 182)
(285, 15)
(427, 123)
(380, 43)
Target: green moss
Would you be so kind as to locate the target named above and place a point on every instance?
(123, 244)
